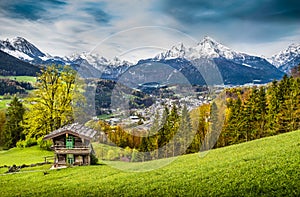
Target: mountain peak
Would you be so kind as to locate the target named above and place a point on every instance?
(20, 48)
(206, 48)
(176, 51)
(287, 58)
(17, 39)
(208, 39)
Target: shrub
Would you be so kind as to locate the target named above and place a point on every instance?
(26, 143)
(111, 155)
(135, 155)
(94, 159)
(44, 144)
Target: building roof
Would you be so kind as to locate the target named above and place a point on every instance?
(75, 129)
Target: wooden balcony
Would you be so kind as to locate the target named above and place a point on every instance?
(74, 150)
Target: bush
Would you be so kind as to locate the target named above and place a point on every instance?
(44, 144)
(94, 159)
(135, 155)
(20, 144)
(111, 155)
(127, 152)
(26, 143)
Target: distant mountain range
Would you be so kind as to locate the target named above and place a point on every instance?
(235, 67)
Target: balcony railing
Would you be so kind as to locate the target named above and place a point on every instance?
(74, 150)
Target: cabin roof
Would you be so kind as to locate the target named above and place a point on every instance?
(75, 129)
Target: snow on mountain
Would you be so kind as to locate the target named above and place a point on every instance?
(178, 51)
(234, 66)
(207, 48)
(97, 61)
(21, 49)
(287, 58)
(24, 50)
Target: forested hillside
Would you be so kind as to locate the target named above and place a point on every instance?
(10, 65)
(250, 113)
(8, 86)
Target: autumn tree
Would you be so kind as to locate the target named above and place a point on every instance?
(295, 71)
(52, 104)
(185, 131)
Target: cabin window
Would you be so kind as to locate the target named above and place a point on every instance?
(70, 142)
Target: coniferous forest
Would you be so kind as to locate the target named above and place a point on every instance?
(242, 114)
(249, 113)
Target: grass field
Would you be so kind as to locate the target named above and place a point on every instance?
(21, 78)
(3, 102)
(268, 167)
(21, 156)
(30, 79)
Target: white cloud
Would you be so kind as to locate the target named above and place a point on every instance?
(135, 30)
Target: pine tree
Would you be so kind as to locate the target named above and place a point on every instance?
(273, 107)
(13, 128)
(215, 125)
(185, 132)
(288, 116)
(200, 123)
(173, 122)
(143, 148)
(153, 145)
(234, 122)
(2, 123)
(261, 118)
(163, 133)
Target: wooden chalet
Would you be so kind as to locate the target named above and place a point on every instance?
(72, 145)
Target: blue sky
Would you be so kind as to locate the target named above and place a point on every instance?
(141, 28)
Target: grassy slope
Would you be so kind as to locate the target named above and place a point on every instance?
(3, 102)
(29, 79)
(268, 166)
(21, 156)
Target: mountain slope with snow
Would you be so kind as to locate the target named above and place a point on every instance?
(21, 49)
(285, 60)
(206, 48)
(89, 65)
(235, 67)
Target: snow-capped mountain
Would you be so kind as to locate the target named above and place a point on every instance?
(287, 59)
(109, 69)
(206, 48)
(21, 49)
(93, 63)
(235, 67)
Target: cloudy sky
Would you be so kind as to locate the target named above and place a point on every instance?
(137, 28)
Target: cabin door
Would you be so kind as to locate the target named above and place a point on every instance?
(70, 158)
(70, 142)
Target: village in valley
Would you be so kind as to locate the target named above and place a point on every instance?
(149, 98)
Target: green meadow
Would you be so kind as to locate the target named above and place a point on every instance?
(265, 167)
(21, 78)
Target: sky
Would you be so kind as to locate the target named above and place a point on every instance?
(132, 29)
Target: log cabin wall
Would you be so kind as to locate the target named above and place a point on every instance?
(78, 142)
(60, 141)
